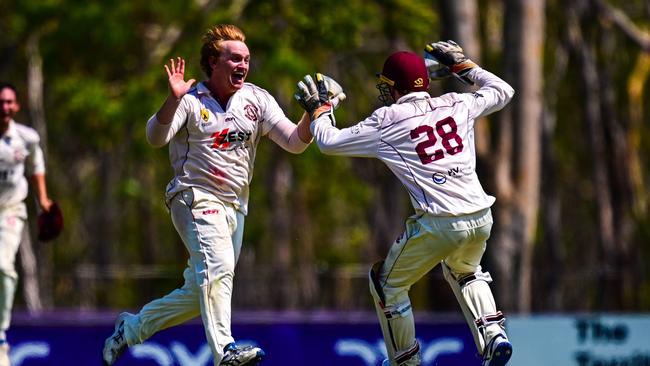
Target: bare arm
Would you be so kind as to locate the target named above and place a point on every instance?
(38, 183)
(304, 132)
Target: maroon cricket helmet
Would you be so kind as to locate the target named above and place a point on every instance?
(406, 72)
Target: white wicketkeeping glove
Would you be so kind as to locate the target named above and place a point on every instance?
(449, 54)
(319, 97)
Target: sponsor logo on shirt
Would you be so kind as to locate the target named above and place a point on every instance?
(19, 156)
(439, 178)
(230, 140)
(453, 171)
(250, 111)
(205, 114)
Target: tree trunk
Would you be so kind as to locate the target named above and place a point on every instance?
(585, 56)
(624, 162)
(281, 186)
(519, 156)
(552, 255)
(308, 289)
(106, 225)
(619, 168)
(38, 285)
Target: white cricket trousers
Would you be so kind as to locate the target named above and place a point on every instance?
(12, 222)
(212, 233)
(427, 241)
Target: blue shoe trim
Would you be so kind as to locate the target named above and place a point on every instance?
(501, 354)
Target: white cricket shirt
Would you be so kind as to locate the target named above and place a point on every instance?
(428, 143)
(20, 152)
(213, 148)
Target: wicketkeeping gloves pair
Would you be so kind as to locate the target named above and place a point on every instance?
(319, 97)
(446, 58)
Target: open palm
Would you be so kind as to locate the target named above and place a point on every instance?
(176, 74)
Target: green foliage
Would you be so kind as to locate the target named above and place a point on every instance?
(103, 80)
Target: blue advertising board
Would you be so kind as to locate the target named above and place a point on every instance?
(337, 339)
(325, 339)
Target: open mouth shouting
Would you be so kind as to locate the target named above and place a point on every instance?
(237, 77)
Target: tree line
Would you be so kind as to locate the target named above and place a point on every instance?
(565, 160)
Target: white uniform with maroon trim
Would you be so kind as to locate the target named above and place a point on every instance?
(20, 154)
(212, 150)
(214, 147)
(428, 143)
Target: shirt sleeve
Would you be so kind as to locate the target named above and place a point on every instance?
(494, 93)
(285, 134)
(159, 134)
(360, 140)
(272, 114)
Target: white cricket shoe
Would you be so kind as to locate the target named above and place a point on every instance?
(240, 356)
(116, 344)
(497, 352)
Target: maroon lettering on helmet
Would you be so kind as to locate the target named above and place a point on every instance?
(250, 111)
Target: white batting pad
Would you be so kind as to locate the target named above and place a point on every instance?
(397, 325)
(472, 291)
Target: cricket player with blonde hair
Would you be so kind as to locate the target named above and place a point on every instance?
(212, 130)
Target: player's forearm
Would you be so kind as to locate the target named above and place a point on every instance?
(166, 113)
(287, 136)
(304, 132)
(349, 141)
(488, 82)
(39, 185)
(160, 124)
(327, 137)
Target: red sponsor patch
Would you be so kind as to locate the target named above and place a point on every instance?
(220, 139)
(212, 211)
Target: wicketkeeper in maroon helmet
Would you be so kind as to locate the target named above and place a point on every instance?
(403, 72)
(428, 143)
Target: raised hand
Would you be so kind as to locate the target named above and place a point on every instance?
(176, 75)
(320, 96)
(307, 95)
(451, 55)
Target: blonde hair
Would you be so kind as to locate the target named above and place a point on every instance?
(212, 40)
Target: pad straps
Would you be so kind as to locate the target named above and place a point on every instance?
(488, 319)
